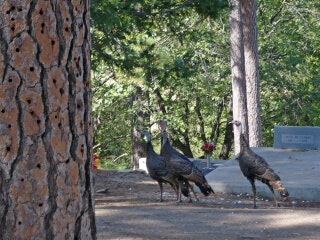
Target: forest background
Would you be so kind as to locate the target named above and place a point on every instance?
(171, 60)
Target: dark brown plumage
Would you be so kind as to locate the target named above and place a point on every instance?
(180, 166)
(254, 167)
(157, 168)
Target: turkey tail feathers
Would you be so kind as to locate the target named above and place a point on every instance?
(284, 193)
(205, 188)
(277, 185)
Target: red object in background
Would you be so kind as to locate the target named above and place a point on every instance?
(208, 147)
(95, 161)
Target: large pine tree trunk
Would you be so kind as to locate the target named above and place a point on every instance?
(45, 125)
(239, 102)
(248, 10)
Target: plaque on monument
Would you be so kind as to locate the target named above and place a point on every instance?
(297, 137)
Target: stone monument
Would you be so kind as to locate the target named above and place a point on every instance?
(297, 137)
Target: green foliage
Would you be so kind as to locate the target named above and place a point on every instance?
(290, 74)
(177, 52)
(156, 47)
(110, 111)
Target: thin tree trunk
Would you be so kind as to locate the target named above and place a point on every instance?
(248, 9)
(215, 132)
(200, 119)
(228, 136)
(227, 143)
(138, 147)
(239, 105)
(184, 147)
(45, 124)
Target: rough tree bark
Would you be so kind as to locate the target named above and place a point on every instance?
(45, 125)
(248, 10)
(239, 101)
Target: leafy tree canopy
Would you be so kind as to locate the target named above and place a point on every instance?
(177, 52)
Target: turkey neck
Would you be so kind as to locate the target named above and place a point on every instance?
(165, 144)
(244, 145)
(243, 141)
(164, 138)
(149, 147)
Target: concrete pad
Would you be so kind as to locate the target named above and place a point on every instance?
(299, 171)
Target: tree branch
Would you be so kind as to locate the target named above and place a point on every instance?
(201, 120)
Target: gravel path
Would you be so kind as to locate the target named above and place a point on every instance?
(128, 207)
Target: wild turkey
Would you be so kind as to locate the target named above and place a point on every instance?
(180, 166)
(254, 167)
(157, 168)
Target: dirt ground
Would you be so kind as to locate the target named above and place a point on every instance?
(128, 207)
